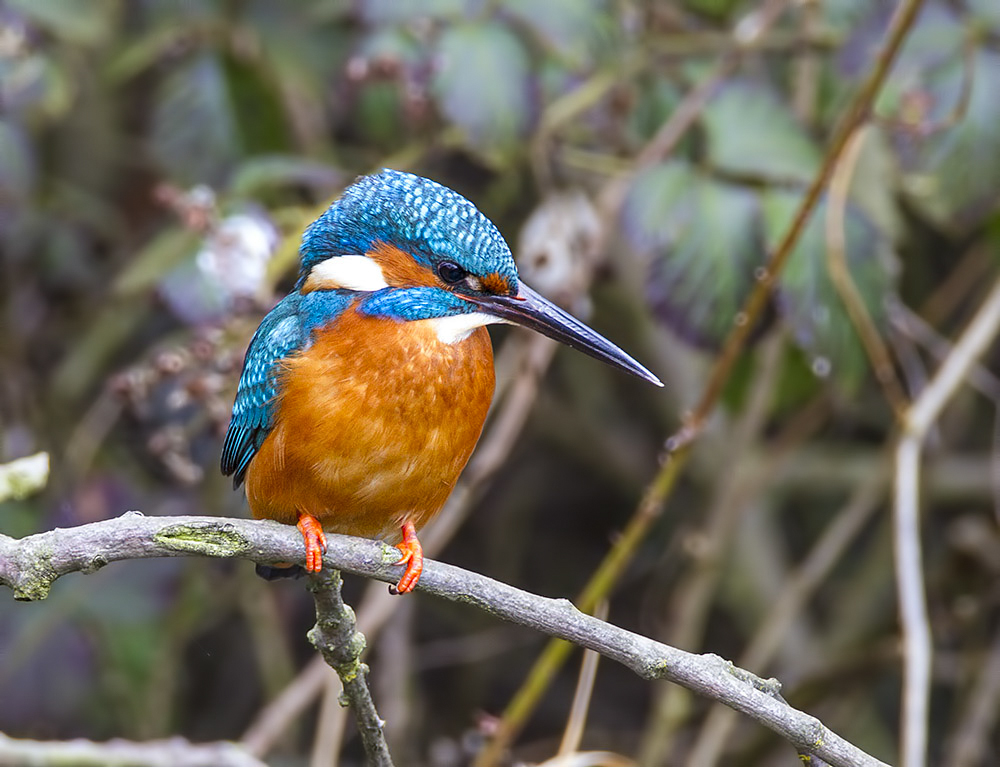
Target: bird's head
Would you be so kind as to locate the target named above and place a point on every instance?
(419, 251)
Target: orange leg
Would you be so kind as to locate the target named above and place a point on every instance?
(413, 558)
(315, 541)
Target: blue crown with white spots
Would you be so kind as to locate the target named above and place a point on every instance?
(419, 216)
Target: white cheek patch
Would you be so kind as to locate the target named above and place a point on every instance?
(348, 273)
(456, 328)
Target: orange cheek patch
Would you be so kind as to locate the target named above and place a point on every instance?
(495, 283)
(399, 269)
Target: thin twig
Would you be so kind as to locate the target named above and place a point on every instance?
(31, 565)
(336, 637)
(909, 566)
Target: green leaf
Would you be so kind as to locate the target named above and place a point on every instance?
(705, 241)
(807, 299)
(482, 83)
(195, 137)
(752, 132)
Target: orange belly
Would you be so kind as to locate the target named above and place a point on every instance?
(375, 422)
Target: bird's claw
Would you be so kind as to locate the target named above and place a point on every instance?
(412, 555)
(314, 540)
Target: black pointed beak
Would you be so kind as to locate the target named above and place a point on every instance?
(532, 310)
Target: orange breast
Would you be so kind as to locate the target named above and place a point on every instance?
(375, 423)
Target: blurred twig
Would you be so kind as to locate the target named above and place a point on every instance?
(573, 733)
(807, 72)
(175, 752)
(743, 37)
(693, 596)
(856, 113)
(663, 483)
(31, 565)
(341, 645)
(916, 328)
(840, 275)
(916, 422)
(799, 586)
(978, 721)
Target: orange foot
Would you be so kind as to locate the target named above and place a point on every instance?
(315, 541)
(413, 558)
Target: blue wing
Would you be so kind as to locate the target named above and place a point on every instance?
(280, 333)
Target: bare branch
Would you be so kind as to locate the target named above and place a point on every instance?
(341, 645)
(31, 565)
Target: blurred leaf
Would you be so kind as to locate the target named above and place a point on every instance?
(89, 23)
(844, 15)
(24, 476)
(717, 8)
(379, 12)
(807, 298)
(164, 253)
(258, 112)
(936, 40)
(263, 172)
(952, 174)
(482, 83)
(195, 136)
(985, 12)
(656, 99)
(392, 44)
(379, 112)
(752, 132)
(568, 26)
(705, 239)
(874, 183)
(143, 52)
(17, 163)
(36, 86)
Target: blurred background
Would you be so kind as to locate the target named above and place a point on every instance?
(158, 162)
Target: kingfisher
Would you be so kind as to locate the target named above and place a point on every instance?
(365, 389)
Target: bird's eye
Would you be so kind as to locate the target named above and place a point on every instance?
(450, 272)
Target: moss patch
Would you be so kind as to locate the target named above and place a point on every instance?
(210, 541)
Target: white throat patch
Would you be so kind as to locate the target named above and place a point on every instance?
(347, 272)
(457, 328)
